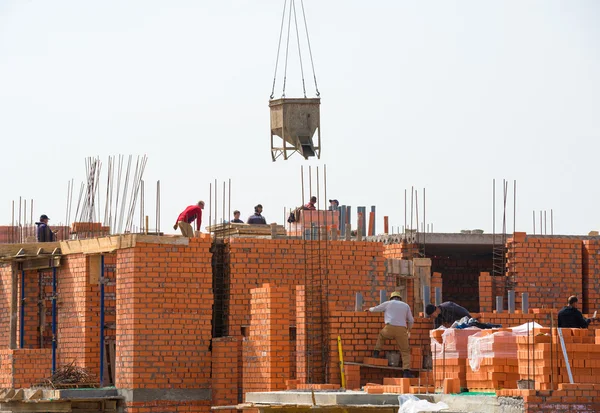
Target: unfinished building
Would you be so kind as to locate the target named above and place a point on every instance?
(172, 324)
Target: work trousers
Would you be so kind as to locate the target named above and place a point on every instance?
(400, 334)
(186, 229)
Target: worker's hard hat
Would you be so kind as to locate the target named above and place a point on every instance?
(396, 294)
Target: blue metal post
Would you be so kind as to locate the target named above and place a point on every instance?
(348, 216)
(22, 323)
(102, 321)
(363, 210)
(343, 220)
(53, 320)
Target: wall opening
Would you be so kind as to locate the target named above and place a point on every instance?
(220, 287)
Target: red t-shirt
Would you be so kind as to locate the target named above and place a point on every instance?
(191, 213)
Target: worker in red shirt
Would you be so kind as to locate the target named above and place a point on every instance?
(184, 220)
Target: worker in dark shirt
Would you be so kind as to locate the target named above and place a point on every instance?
(257, 218)
(236, 217)
(44, 233)
(446, 313)
(571, 317)
(189, 215)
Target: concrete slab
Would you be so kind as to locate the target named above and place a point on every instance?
(325, 399)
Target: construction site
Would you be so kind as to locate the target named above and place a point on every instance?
(108, 312)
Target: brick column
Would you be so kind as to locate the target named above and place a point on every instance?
(164, 312)
(226, 378)
(486, 298)
(436, 282)
(267, 350)
(78, 318)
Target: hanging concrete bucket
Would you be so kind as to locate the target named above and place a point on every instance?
(295, 121)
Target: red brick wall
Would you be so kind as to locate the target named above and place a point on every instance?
(359, 332)
(591, 276)
(164, 314)
(23, 368)
(226, 378)
(549, 269)
(352, 267)
(267, 350)
(5, 297)
(78, 320)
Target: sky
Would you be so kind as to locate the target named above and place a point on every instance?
(441, 95)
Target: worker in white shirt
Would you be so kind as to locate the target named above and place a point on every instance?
(398, 322)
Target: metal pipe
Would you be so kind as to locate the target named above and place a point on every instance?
(499, 300)
(209, 204)
(53, 320)
(534, 222)
(22, 323)
(515, 206)
(525, 303)
(438, 296)
(426, 296)
(404, 227)
(101, 320)
(511, 301)
(358, 302)
(551, 222)
(382, 296)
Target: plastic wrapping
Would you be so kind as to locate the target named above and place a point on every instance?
(454, 343)
(412, 404)
(490, 344)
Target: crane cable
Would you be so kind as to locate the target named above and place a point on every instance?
(293, 6)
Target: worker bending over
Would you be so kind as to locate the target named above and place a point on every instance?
(446, 313)
(398, 322)
(189, 215)
(571, 317)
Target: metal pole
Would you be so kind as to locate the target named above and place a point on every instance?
(438, 296)
(551, 222)
(533, 222)
(53, 320)
(101, 320)
(382, 296)
(515, 206)
(511, 301)
(22, 323)
(404, 228)
(525, 303)
(426, 296)
(358, 302)
(499, 300)
(209, 205)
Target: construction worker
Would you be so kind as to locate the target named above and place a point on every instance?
(236, 217)
(44, 233)
(446, 313)
(398, 321)
(571, 317)
(257, 218)
(311, 204)
(334, 204)
(189, 215)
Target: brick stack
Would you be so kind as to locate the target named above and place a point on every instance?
(314, 220)
(486, 293)
(493, 362)
(449, 349)
(267, 350)
(577, 397)
(536, 263)
(541, 358)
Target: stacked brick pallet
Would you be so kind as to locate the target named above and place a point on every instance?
(418, 385)
(493, 360)
(449, 349)
(541, 358)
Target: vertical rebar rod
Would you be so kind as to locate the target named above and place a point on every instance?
(210, 204)
(534, 222)
(404, 228)
(412, 193)
(223, 218)
(551, 222)
(514, 206)
(216, 205)
(545, 224)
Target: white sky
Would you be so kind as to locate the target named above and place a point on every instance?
(445, 95)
